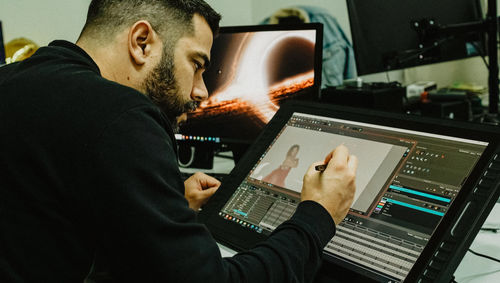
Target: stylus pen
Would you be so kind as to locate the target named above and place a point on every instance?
(320, 168)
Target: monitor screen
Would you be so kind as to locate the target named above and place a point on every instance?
(407, 181)
(253, 70)
(385, 38)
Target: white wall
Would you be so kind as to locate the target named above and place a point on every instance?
(234, 12)
(43, 21)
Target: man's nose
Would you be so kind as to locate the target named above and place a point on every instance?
(200, 91)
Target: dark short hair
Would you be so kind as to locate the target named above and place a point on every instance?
(106, 17)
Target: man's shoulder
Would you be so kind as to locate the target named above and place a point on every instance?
(101, 90)
(76, 79)
(110, 99)
(61, 84)
(62, 87)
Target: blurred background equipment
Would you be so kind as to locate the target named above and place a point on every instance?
(19, 49)
(427, 32)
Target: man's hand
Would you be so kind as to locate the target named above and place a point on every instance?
(199, 188)
(333, 188)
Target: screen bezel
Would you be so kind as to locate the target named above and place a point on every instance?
(310, 93)
(239, 238)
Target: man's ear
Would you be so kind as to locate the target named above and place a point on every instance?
(141, 38)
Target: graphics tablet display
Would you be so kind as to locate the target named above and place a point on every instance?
(414, 182)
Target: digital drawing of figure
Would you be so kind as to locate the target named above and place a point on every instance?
(278, 175)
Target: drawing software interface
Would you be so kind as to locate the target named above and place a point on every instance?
(406, 181)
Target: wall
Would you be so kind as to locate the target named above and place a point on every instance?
(43, 21)
(234, 12)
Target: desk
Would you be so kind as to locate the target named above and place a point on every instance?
(472, 268)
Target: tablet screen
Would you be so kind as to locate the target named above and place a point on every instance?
(406, 181)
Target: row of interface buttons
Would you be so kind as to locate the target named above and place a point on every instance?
(241, 222)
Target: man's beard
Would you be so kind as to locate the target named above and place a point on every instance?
(161, 86)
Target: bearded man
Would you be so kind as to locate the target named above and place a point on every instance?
(89, 167)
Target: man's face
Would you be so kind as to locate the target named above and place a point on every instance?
(176, 84)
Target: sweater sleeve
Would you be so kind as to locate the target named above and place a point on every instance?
(146, 232)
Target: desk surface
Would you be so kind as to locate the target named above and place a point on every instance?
(473, 268)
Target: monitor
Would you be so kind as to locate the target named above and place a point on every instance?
(385, 37)
(253, 70)
(424, 187)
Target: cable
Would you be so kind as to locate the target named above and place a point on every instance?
(494, 230)
(192, 150)
(387, 76)
(485, 256)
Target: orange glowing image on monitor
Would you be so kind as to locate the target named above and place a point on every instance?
(250, 74)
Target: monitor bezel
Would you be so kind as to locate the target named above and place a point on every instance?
(235, 236)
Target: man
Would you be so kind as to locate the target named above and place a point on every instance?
(88, 161)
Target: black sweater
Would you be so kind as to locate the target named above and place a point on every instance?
(88, 169)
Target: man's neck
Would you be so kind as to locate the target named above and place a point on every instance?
(110, 61)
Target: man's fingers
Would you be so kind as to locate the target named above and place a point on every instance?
(209, 191)
(352, 163)
(339, 157)
(206, 181)
(211, 182)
